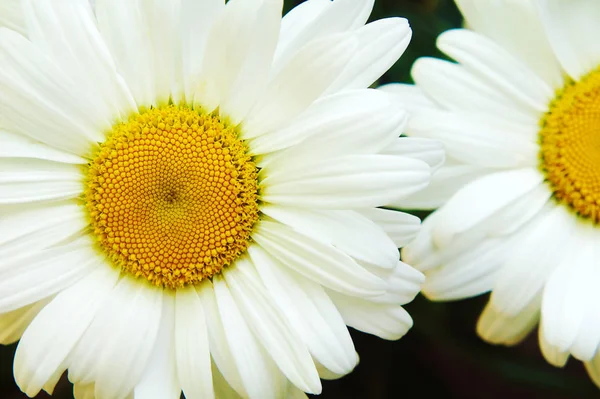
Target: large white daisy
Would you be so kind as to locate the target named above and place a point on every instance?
(189, 194)
(519, 116)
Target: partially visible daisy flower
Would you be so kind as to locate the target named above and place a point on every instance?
(519, 116)
(190, 193)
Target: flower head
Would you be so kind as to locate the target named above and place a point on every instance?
(190, 193)
(519, 116)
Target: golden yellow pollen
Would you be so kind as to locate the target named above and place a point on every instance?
(570, 146)
(172, 195)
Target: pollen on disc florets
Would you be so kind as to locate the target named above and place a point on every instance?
(172, 195)
(570, 146)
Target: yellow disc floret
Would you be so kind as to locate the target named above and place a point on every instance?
(570, 146)
(172, 195)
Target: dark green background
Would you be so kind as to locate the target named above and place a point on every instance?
(441, 356)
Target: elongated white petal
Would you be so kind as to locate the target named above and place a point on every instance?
(380, 45)
(387, 321)
(11, 16)
(14, 323)
(257, 30)
(160, 377)
(489, 18)
(18, 146)
(41, 102)
(271, 328)
(348, 231)
(192, 346)
(485, 58)
(38, 180)
(38, 227)
(442, 80)
(258, 372)
(476, 139)
(568, 290)
(536, 253)
(401, 227)
(197, 18)
(47, 342)
(350, 122)
(86, 61)
(32, 277)
(429, 151)
(444, 184)
(353, 181)
(310, 312)
(320, 262)
(316, 19)
(571, 28)
(299, 83)
(123, 332)
(508, 329)
(220, 350)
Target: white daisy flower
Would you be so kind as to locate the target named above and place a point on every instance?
(519, 116)
(189, 194)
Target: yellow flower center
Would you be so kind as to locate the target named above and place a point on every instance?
(570, 146)
(172, 195)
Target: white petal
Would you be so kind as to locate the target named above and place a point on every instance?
(18, 146)
(197, 18)
(125, 27)
(478, 140)
(259, 374)
(410, 97)
(551, 353)
(251, 40)
(319, 262)
(160, 377)
(47, 342)
(426, 150)
(14, 323)
(387, 321)
(41, 102)
(572, 28)
(497, 66)
(222, 388)
(470, 269)
(353, 181)
(569, 289)
(351, 122)
(537, 250)
(52, 26)
(115, 349)
(482, 199)
(83, 391)
(348, 231)
(500, 328)
(380, 45)
(593, 369)
(32, 277)
(314, 19)
(310, 312)
(191, 345)
(11, 16)
(524, 36)
(219, 346)
(299, 83)
(271, 328)
(445, 182)
(442, 80)
(401, 227)
(39, 227)
(38, 180)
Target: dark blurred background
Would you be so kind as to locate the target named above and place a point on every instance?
(441, 356)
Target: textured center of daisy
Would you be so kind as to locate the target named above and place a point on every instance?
(570, 146)
(172, 195)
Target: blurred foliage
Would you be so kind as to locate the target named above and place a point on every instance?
(441, 356)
